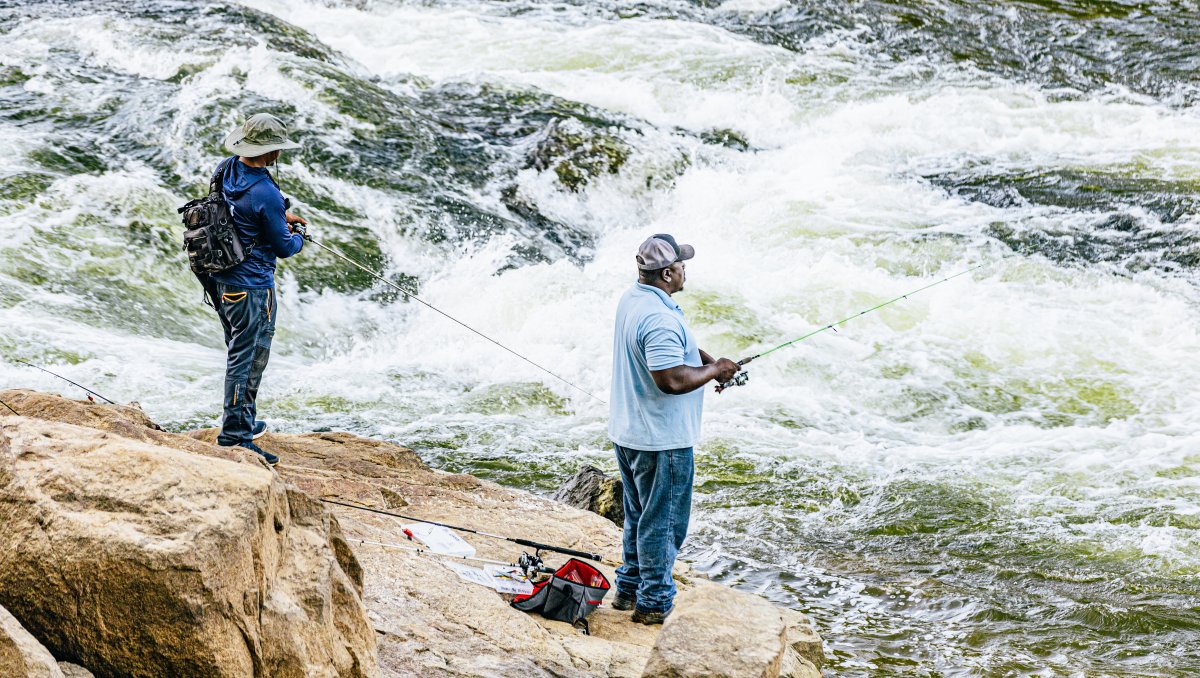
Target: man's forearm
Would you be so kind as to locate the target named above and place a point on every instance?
(684, 379)
(706, 359)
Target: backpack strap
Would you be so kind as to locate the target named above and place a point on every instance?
(215, 184)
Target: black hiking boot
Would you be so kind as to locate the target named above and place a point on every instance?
(271, 459)
(649, 618)
(623, 602)
(260, 429)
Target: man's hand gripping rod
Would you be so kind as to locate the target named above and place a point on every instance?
(738, 379)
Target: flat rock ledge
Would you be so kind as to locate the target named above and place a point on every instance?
(421, 619)
(720, 633)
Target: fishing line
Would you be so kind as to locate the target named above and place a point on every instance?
(10, 409)
(417, 299)
(90, 391)
(741, 378)
(523, 542)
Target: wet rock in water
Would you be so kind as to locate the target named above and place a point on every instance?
(592, 490)
(728, 138)
(141, 558)
(719, 632)
(21, 654)
(577, 153)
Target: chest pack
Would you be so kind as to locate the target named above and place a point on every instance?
(210, 236)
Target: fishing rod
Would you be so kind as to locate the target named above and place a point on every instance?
(527, 563)
(417, 299)
(10, 409)
(741, 378)
(90, 391)
(523, 542)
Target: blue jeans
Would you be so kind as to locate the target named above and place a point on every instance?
(248, 317)
(658, 505)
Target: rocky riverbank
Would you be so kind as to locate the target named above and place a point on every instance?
(136, 552)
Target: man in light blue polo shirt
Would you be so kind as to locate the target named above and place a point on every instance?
(657, 395)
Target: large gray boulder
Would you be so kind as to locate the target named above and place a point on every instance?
(592, 490)
(21, 654)
(139, 559)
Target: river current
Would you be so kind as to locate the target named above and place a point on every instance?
(998, 476)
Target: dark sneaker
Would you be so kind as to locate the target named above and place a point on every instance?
(648, 618)
(271, 459)
(623, 602)
(260, 429)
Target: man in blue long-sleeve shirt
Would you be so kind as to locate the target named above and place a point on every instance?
(246, 301)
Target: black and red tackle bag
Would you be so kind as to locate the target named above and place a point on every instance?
(570, 595)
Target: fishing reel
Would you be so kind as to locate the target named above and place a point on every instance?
(739, 379)
(532, 565)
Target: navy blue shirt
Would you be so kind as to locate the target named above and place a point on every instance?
(257, 207)
(650, 335)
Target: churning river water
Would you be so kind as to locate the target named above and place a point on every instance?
(999, 476)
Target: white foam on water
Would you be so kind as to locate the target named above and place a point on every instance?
(102, 41)
(816, 228)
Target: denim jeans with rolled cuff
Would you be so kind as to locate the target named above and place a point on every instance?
(248, 318)
(658, 506)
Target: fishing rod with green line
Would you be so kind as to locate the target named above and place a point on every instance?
(741, 378)
(410, 295)
(523, 542)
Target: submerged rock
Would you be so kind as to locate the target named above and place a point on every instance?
(577, 153)
(148, 559)
(592, 490)
(21, 654)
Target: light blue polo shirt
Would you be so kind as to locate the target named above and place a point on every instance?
(650, 335)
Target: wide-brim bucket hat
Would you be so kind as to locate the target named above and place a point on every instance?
(260, 134)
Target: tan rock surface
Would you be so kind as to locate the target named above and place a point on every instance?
(717, 632)
(21, 654)
(428, 621)
(802, 637)
(140, 559)
(795, 666)
(433, 623)
(127, 421)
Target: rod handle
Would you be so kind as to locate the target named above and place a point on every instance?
(558, 549)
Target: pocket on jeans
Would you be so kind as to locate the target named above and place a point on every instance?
(233, 297)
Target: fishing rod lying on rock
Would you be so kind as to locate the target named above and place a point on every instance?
(523, 542)
(741, 378)
(528, 564)
(568, 594)
(410, 295)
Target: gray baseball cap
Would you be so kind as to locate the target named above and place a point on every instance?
(260, 134)
(660, 251)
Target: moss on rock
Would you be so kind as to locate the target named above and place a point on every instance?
(576, 153)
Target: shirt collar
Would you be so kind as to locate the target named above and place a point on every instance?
(666, 298)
